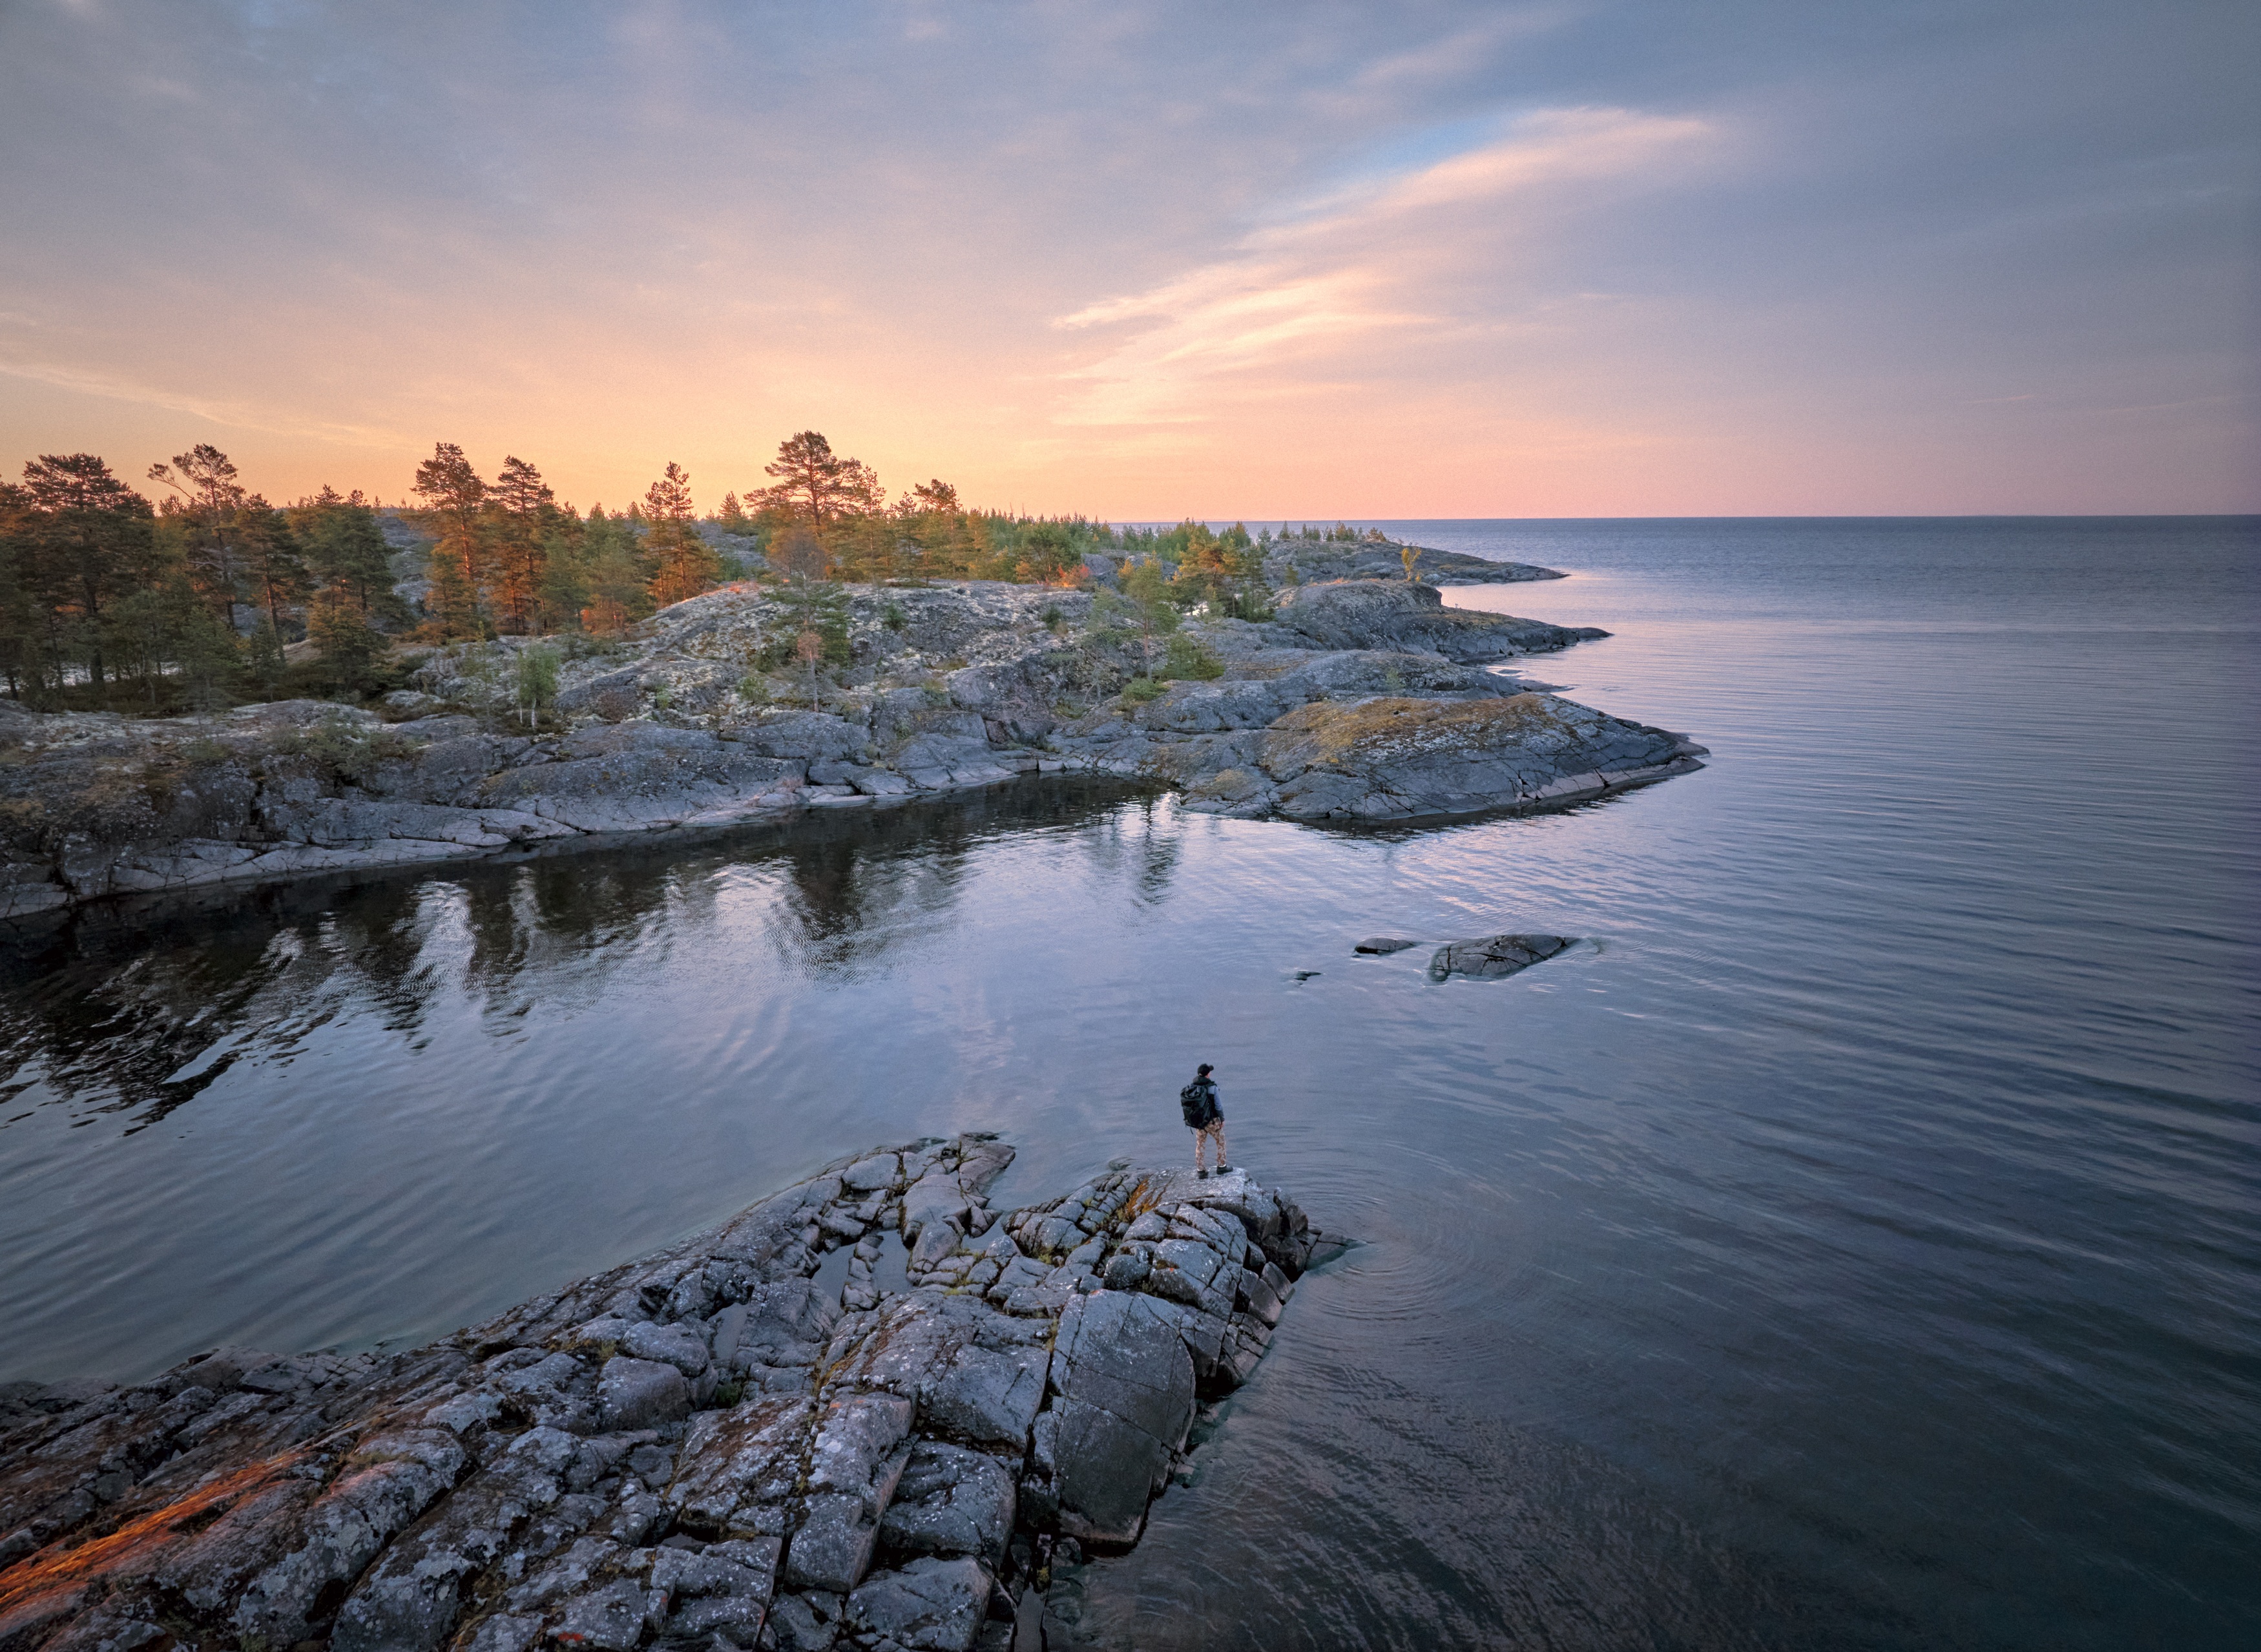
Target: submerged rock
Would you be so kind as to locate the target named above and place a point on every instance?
(1495, 956)
(698, 1450)
(1383, 945)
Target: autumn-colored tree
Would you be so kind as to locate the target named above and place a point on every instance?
(818, 486)
(204, 480)
(683, 564)
(453, 492)
(523, 501)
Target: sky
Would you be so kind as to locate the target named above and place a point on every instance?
(1148, 260)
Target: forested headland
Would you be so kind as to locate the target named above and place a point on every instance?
(194, 593)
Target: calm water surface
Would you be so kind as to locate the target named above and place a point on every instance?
(1851, 1243)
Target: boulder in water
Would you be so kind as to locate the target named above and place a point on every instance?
(1494, 956)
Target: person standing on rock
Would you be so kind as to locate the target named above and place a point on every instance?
(1204, 1117)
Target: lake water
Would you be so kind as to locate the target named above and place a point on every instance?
(1851, 1243)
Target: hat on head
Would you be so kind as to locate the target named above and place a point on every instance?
(1204, 1069)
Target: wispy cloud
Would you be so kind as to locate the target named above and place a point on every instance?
(233, 414)
(1371, 257)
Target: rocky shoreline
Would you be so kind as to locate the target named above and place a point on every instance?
(1361, 700)
(706, 1449)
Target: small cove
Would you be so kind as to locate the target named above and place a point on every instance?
(1850, 1243)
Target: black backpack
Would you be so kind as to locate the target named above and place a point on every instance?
(1198, 1099)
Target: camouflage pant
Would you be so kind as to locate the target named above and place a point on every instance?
(1216, 1128)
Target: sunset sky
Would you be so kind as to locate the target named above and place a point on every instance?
(1149, 260)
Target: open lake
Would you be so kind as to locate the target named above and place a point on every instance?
(1853, 1242)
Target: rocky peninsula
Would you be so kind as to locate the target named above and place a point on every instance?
(715, 1447)
(1359, 700)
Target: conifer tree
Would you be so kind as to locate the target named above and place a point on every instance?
(90, 544)
(346, 552)
(453, 491)
(204, 477)
(524, 501)
(683, 563)
(273, 566)
(818, 486)
(618, 584)
(341, 633)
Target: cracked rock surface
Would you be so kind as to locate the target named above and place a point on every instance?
(703, 1449)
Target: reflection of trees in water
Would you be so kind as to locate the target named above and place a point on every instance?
(1139, 841)
(138, 1009)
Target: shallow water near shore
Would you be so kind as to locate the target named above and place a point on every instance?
(1851, 1242)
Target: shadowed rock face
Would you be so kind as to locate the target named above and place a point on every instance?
(698, 1450)
(1361, 700)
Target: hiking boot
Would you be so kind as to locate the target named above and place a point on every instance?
(1200, 1174)
(1221, 1169)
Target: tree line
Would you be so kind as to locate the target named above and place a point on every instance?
(197, 598)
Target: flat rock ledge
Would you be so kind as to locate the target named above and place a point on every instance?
(704, 1449)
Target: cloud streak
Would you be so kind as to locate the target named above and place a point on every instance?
(1378, 258)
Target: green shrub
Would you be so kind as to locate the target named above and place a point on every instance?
(1139, 690)
(1189, 660)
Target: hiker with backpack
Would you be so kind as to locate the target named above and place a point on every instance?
(1204, 1117)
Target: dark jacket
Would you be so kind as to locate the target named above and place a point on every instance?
(1199, 1101)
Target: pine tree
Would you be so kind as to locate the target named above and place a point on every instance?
(272, 563)
(618, 584)
(342, 634)
(818, 486)
(90, 544)
(453, 492)
(346, 552)
(683, 564)
(525, 502)
(212, 498)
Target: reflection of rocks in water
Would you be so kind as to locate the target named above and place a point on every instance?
(141, 1013)
(695, 1450)
(137, 1008)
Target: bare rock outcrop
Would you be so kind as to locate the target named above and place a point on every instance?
(707, 1449)
(1358, 701)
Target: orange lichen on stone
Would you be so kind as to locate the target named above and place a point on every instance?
(50, 1582)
